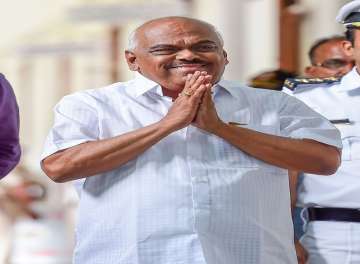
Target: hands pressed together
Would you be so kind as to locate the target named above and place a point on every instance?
(194, 105)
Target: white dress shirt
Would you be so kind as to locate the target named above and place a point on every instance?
(337, 101)
(192, 198)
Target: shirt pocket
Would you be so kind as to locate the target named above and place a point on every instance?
(227, 155)
(350, 136)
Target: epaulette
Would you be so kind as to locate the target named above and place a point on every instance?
(292, 83)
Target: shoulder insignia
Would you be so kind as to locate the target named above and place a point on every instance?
(292, 83)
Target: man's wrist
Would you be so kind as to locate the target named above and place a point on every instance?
(165, 127)
(218, 128)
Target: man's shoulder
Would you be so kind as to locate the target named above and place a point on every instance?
(98, 93)
(300, 85)
(117, 87)
(239, 89)
(6, 90)
(3, 82)
(257, 97)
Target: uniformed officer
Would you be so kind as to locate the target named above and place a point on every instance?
(332, 204)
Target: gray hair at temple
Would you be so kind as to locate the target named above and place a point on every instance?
(133, 41)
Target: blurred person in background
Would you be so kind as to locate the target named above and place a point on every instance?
(9, 154)
(332, 206)
(26, 235)
(328, 58)
(16, 196)
(33, 223)
(180, 166)
(9, 128)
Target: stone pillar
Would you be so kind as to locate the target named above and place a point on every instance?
(250, 31)
(114, 56)
(51, 76)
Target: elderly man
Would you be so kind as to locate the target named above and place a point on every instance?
(9, 132)
(328, 58)
(332, 211)
(181, 166)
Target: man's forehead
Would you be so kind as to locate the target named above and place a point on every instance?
(173, 30)
(330, 47)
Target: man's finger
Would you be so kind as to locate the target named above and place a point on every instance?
(198, 94)
(207, 95)
(197, 83)
(208, 78)
(187, 82)
(193, 78)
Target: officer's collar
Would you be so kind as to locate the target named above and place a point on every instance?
(350, 81)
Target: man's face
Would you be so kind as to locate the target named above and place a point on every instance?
(355, 50)
(330, 59)
(168, 50)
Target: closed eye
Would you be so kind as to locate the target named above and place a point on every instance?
(163, 50)
(205, 47)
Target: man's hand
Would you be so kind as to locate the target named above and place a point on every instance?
(185, 107)
(301, 253)
(94, 157)
(207, 117)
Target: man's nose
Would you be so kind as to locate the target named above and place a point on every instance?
(186, 54)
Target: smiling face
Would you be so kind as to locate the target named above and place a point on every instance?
(170, 48)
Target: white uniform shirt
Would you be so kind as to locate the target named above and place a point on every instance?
(336, 101)
(192, 198)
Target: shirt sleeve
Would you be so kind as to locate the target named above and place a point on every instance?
(9, 133)
(297, 120)
(76, 121)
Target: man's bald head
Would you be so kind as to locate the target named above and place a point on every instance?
(166, 50)
(329, 58)
(134, 36)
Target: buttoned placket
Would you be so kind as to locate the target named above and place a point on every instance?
(200, 182)
(196, 174)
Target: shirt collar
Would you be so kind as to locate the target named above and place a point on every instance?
(350, 81)
(142, 85)
(229, 86)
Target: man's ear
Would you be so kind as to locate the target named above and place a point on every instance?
(131, 60)
(348, 48)
(226, 57)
